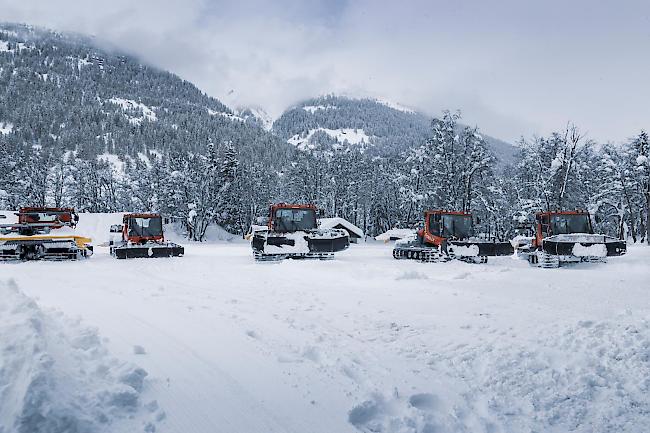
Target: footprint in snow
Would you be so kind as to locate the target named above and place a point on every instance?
(411, 275)
(424, 401)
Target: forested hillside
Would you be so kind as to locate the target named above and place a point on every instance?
(98, 130)
(381, 127)
(83, 126)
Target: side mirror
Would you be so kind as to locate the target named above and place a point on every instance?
(598, 219)
(320, 213)
(478, 220)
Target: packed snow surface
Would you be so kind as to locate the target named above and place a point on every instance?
(360, 343)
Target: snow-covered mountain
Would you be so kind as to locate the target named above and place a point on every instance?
(63, 91)
(342, 120)
(383, 126)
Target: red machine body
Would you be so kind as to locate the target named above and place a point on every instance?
(52, 217)
(567, 236)
(140, 237)
(272, 224)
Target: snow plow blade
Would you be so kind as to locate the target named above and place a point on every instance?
(148, 251)
(486, 248)
(269, 247)
(584, 245)
(45, 247)
(315, 245)
(328, 245)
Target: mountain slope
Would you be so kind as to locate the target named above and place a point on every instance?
(379, 125)
(358, 121)
(62, 91)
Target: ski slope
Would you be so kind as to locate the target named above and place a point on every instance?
(219, 343)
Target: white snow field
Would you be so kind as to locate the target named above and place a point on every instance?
(214, 342)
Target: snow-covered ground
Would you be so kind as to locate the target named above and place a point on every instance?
(360, 343)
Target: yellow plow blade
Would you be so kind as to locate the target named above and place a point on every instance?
(81, 241)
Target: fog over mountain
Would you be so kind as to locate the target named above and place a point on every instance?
(514, 69)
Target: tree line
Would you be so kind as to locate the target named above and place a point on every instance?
(231, 185)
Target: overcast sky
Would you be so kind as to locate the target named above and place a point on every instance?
(514, 67)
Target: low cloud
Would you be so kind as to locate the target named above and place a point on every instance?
(514, 69)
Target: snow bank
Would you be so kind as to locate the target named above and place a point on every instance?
(97, 226)
(394, 234)
(56, 376)
(214, 234)
(330, 223)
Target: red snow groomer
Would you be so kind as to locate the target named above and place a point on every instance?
(292, 232)
(143, 237)
(568, 237)
(38, 235)
(449, 235)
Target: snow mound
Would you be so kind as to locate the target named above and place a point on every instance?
(56, 376)
(330, 223)
(588, 376)
(396, 234)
